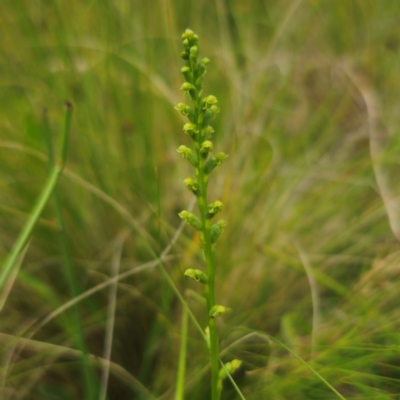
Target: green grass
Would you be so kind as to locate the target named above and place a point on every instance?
(309, 94)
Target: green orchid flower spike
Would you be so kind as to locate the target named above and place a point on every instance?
(201, 112)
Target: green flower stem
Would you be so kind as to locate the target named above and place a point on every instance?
(210, 268)
(200, 115)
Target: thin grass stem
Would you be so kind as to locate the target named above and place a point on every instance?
(44, 197)
(180, 382)
(112, 300)
(304, 363)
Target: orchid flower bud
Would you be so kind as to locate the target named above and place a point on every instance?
(216, 230)
(217, 311)
(209, 101)
(214, 162)
(201, 69)
(230, 367)
(192, 185)
(209, 131)
(189, 154)
(206, 147)
(188, 34)
(197, 275)
(214, 208)
(181, 107)
(194, 51)
(186, 111)
(191, 219)
(185, 43)
(200, 82)
(185, 55)
(207, 117)
(194, 40)
(189, 88)
(190, 129)
(215, 110)
(186, 72)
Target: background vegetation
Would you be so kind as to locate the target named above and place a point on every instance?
(309, 115)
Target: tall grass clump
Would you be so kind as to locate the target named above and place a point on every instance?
(200, 113)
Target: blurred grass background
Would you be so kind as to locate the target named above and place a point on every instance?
(309, 116)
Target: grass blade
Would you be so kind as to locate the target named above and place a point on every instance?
(305, 363)
(180, 382)
(41, 202)
(90, 381)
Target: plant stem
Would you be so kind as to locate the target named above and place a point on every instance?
(210, 268)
